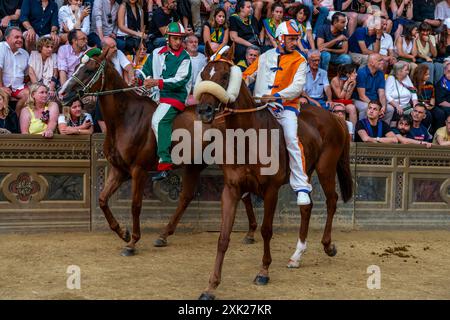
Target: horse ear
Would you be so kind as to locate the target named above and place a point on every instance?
(230, 53)
(208, 51)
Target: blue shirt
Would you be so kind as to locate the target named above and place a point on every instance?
(421, 134)
(315, 88)
(370, 82)
(361, 34)
(42, 21)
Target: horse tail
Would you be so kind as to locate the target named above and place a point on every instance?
(343, 170)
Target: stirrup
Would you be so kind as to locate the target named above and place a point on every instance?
(161, 175)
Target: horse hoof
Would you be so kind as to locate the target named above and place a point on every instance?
(332, 251)
(248, 240)
(127, 252)
(127, 236)
(206, 296)
(293, 264)
(261, 280)
(160, 242)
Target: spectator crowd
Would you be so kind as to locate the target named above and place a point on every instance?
(382, 65)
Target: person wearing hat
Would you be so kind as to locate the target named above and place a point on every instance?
(280, 76)
(170, 70)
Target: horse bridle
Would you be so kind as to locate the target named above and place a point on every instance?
(87, 87)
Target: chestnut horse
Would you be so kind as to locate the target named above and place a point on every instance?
(326, 144)
(130, 144)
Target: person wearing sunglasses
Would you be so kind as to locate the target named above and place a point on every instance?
(104, 21)
(339, 110)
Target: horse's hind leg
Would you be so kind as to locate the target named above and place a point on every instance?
(305, 212)
(138, 179)
(326, 172)
(250, 236)
(190, 181)
(114, 180)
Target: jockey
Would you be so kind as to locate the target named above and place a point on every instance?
(280, 75)
(170, 70)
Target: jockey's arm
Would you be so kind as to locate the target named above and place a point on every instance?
(296, 87)
(181, 78)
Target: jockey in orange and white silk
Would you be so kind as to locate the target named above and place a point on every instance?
(281, 72)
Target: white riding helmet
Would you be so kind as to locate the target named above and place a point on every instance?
(287, 28)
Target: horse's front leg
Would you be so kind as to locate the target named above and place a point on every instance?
(138, 179)
(270, 204)
(230, 199)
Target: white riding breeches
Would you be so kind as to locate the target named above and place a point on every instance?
(298, 178)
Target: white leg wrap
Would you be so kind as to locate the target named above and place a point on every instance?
(294, 261)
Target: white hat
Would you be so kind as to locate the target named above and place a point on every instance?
(447, 23)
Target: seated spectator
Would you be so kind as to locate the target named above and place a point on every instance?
(332, 42)
(69, 55)
(400, 92)
(119, 60)
(209, 5)
(372, 129)
(258, 6)
(244, 29)
(362, 39)
(403, 129)
(14, 67)
(442, 89)
(406, 46)
(402, 15)
(357, 13)
(342, 86)
(138, 60)
(267, 35)
(43, 65)
(130, 22)
(161, 18)
(317, 88)
(75, 120)
(426, 52)
(444, 42)
(198, 60)
(370, 85)
(8, 118)
(442, 10)
(215, 31)
(423, 11)
(40, 115)
(252, 53)
(104, 21)
(9, 14)
(418, 131)
(73, 16)
(387, 47)
(425, 93)
(40, 18)
(306, 41)
(442, 135)
(339, 110)
(318, 13)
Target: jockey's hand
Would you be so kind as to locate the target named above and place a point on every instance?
(149, 83)
(303, 101)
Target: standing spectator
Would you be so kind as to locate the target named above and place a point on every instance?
(215, 31)
(423, 11)
(370, 86)
(418, 131)
(400, 92)
(40, 18)
(333, 43)
(442, 88)
(425, 93)
(406, 46)
(267, 35)
(252, 53)
(40, 115)
(402, 14)
(362, 39)
(317, 88)
(306, 41)
(342, 86)
(130, 20)
(244, 29)
(43, 65)
(372, 129)
(75, 120)
(69, 55)
(8, 118)
(14, 67)
(161, 18)
(442, 136)
(73, 16)
(104, 21)
(426, 52)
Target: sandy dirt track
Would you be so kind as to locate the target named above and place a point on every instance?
(414, 265)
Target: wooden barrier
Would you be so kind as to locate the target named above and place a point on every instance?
(54, 185)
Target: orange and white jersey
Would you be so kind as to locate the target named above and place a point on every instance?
(282, 75)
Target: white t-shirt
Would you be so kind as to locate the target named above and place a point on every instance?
(442, 11)
(120, 61)
(62, 118)
(386, 44)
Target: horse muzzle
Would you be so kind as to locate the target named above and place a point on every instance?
(205, 112)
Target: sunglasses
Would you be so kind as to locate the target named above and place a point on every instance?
(339, 111)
